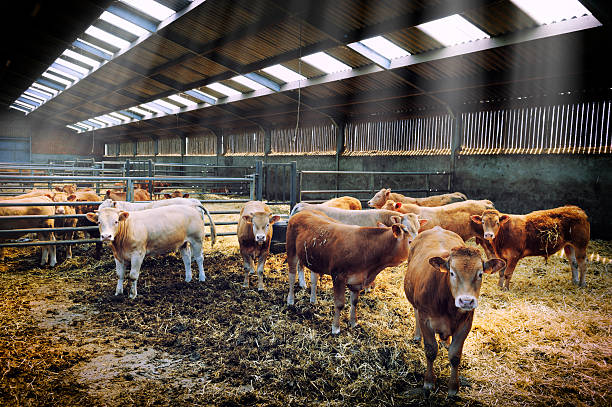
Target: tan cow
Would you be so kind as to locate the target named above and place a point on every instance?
(442, 282)
(352, 255)
(344, 202)
(382, 196)
(33, 193)
(133, 235)
(371, 217)
(139, 195)
(65, 222)
(254, 238)
(48, 251)
(176, 194)
(539, 233)
(68, 188)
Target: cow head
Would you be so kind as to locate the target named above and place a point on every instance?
(379, 199)
(391, 205)
(108, 220)
(465, 267)
(491, 220)
(261, 222)
(410, 224)
(63, 197)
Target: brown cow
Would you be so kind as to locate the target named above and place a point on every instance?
(352, 255)
(68, 188)
(176, 194)
(88, 195)
(382, 196)
(539, 233)
(442, 282)
(48, 251)
(254, 238)
(344, 202)
(65, 222)
(139, 195)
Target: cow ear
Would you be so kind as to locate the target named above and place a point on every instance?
(108, 192)
(387, 191)
(274, 219)
(49, 195)
(72, 197)
(503, 219)
(422, 222)
(114, 204)
(398, 205)
(397, 230)
(380, 225)
(58, 188)
(123, 216)
(93, 217)
(476, 219)
(439, 263)
(493, 265)
(185, 195)
(396, 219)
(247, 218)
(167, 196)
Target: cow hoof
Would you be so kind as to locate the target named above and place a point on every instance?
(427, 386)
(416, 339)
(131, 297)
(313, 300)
(260, 288)
(452, 392)
(335, 331)
(290, 301)
(245, 285)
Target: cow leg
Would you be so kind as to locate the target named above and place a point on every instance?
(248, 269)
(1, 253)
(431, 351)
(314, 278)
(570, 253)
(69, 236)
(293, 264)
(301, 278)
(354, 298)
(186, 254)
(581, 259)
(339, 298)
(454, 354)
(504, 279)
(120, 268)
(136, 262)
(261, 262)
(196, 250)
(488, 249)
(417, 327)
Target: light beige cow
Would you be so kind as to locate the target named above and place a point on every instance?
(133, 235)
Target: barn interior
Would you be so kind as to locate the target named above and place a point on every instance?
(507, 100)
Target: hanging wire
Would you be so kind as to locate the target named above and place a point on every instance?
(297, 121)
(93, 138)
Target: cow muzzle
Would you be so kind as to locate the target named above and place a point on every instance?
(106, 237)
(371, 204)
(260, 239)
(466, 302)
(489, 235)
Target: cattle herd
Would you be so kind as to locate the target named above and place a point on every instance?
(338, 238)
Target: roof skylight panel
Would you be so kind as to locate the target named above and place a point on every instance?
(97, 121)
(225, 90)
(325, 63)
(82, 58)
(119, 116)
(70, 126)
(105, 120)
(384, 47)
(123, 24)
(284, 74)
(203, 96)
(151, 8)
(452, 30)
(56, 78)
(97, 47)
(70, 75)
(39, 93)
(63, 60)
(34, 96)
(141, 112)
(165, 104)
(24, 105)
(150, 108)
(44, 88)
(182, 101)
(549, 11)
(107, 37)
(249, 83)
(21, 109)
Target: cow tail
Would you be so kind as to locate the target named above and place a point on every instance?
(213, 233)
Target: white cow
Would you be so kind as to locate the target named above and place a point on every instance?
(133, 235)
(140, 206)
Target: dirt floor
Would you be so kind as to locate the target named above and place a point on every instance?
(65, 339)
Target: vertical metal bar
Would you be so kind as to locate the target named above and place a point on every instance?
(252, 187)
(130, 191)
(259, 180)
(293, 183)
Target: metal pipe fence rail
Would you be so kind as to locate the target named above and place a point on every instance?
(424, 175)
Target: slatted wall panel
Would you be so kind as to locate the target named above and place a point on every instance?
(580, 128)
(145, 147)
(316, 139)
(415, 136)
(248, 142)
(126, 148)
(110, 150)
(202, 144)
(169, 146)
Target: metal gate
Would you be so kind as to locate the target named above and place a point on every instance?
(276, 182)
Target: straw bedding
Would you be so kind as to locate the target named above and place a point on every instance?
(65, 339)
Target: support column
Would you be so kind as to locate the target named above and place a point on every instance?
(456, 141)
(267, 141)
(340, 147)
